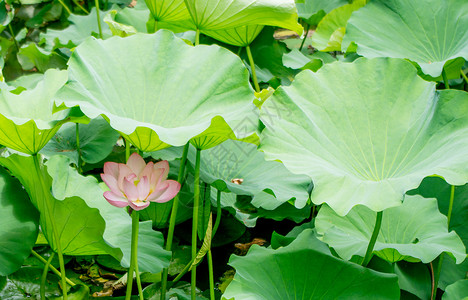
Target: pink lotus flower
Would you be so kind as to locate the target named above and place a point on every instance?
(137, 183)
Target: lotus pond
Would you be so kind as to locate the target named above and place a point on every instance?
(234, 149)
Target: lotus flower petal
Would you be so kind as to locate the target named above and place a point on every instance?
(136, 163)
(169, 193)
(115, 200)
(111, 182)
(164, 165)
(130, 190)
(139, 205)
(112, 169)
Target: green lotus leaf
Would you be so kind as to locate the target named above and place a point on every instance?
(26, 119)
(418, 32)
(239, 36)
(363, 141)
(31, 56)
(414, 230)
(81, 28)
(457, 291)
(228, 14)
(97, 140)
(117, 28)
(203, 96)
(19, 223)
(312, 11)
(298, 60)
(331, 29)
(281, 274)
(171, 15)
(435, 187)
(136, 17)
(239, 168)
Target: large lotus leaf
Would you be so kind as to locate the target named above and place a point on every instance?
(86, 222)
(298, 60)
(19, 223)
(435, 187)
(97, 140)
(228, 14)
(26, 119)
(416, 229)
(31, 56)
(331, 29)
(428, 32)
(300, 271)
(363, 141)
(203, 94)
(80, 28)
(239, 36)
(238, 167)
(171, 15)
(457, 291)
(312, 11)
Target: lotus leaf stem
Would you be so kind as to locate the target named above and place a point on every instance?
(172, 221)
(444, 76)
(44, 276)
(96, 3)
(127, 149)
(196, 204)
(47, 199)
(197, 37)
(65, 6)
(305, 37)
(464, 76)
(218, 214)
(13, 36)
(57, 272)
(210, 274)
(78, 148)
(375, 234)
(252, 67)
(81, 7)
(441, 257)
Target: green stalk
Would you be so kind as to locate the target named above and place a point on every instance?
(96, 3)
(252, 67)
(210, 269)
(464, 76)
(44, 276)
(441, 257)
(370, 247)
(13, 36)
(218, 214)
(78, 147)
(175, 206)
(197, 37)
(81, 7)
(40, 174)
(133, 256)
(136, 223)
(305, 37)
(57, 272)
(65, 6)
(196, 203)
(127, 150)
(444, 76)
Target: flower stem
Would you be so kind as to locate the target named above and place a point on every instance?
(441, 257)
(305, 37)
(133, 256)
(44, 276)
(210, 270)
(57, 272)
(252, 67)
(56, 239)
(175, 206)
(96, 3)
(375, 233)
(78, 149)
(444, 76)
(196, 204)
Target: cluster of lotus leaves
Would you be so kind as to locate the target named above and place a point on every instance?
(236, 22)
(367, 132)
(202, 96)
(428, 32)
